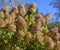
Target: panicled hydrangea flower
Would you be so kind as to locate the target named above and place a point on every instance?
(49, 43)
(20, 35)
(38, 17)
(56, 36)
(38, 37)
(43, 21)
(55, 33)
(15, 10)
(32, 8)
(12, 28)
(36, 27)
(57, 46)
(2, 23)
(1, 14)
(21, 23)
(28, 36)
(13, 16)
(9, 19)
(46, 31)
(21, 9)
(54, 30)
(47, 17)
(5, 9)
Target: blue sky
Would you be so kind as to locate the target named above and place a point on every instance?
(42, 5)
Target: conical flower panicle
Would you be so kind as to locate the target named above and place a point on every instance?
(14, 10)
(54, 30)
(20, 35)
(28, 36)
(21, 23)
(49, 43)
(57, 46)
(47, 17)
(46, 31)
(43, 21)
(38, 37)
(56, 36)
(13, 15)
(5, 9)
(21, 9)
(36, 27)
(10, 18)
(2, 23)
(32, 8)
(1, 14)
(12, 28)
(38, 17)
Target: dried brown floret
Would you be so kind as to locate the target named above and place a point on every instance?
(21, 9)
(21, 23)
(38, 37)
(32, 8)
(49, 43)
(12, 28)
(2, 23)
(20, 35)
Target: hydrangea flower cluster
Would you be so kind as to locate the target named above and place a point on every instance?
(24, 29)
